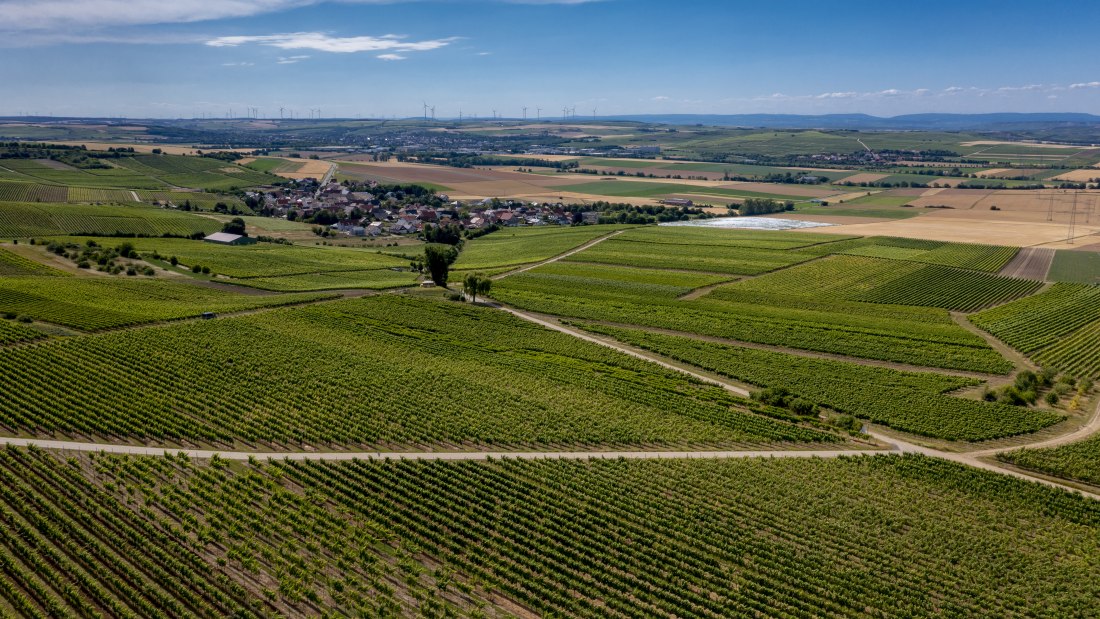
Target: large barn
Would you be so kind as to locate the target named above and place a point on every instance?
(224, 238)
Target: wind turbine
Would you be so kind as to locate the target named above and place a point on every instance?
(433, 113)
(425, 110)
(281, 113)
(538, 113)
(525, 113)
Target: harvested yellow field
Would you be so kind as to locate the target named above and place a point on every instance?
(310, 168)
(864, 177)
(990, 227)
(993, 172)
(1079, 176)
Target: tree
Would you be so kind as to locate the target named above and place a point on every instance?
(235, 226)
(439, 259)
(475, 284)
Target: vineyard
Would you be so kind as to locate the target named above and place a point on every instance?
(708, 258)
(19, 219)
(988, 258)
(514, 247)
(12, 332)
(688, 235)
(912, 402)
(950, 288)
(12, 264)
(384, 371)
(165, 537)
(1077, 461)
(92, 304)
(1057, 327)
(800, 307)
(375, 279)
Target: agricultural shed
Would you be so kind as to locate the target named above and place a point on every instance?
(224, 238)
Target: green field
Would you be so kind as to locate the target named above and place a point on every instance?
(1075, 461)
(140, 172)
(1059, 328)
(26, 219)
(514, 247)
(855, 537)
(905, 334)
(263, 259)
(1081, 267)
(909, 401)
(370, 372)
(95, 303)
(693, 257)
(12, 264)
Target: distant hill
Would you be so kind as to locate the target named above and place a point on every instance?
(922, 122)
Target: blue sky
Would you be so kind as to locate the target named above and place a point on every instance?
(185, 58)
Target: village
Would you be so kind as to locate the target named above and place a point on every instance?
(374, 210)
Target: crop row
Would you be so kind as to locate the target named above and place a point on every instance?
(717, 237)
(380, 371)
(12, 332)
(922, 336)
(47, 219)
(12, 264)
(93, 304)
(950, 288)
(913, 402)
(1059, 327)
(166, 537)
(714, 259)
(1078, 461)
(513, 247)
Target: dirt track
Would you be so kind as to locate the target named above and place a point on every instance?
(1029, 263)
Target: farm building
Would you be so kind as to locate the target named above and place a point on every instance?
(224, 238)
(677, 202)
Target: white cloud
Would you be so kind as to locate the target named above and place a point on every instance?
(390, 57)
(290, 59)
(61, 15)
(660, 98)
(953, 89)
(1081, 85)
(837, 95)
(322, 42)
(238, 64)
(484, 54)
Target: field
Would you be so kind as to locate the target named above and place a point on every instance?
(517, 247)
(142, 171)
(25, 219)
(1082, 267)
(908, 401)
(1059, 328)
(738, 538)
(812, 306)
(93, 304)
(1075, 461)
(264, 259)
(12, 264)
(509, 383)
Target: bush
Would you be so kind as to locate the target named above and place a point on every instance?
(174, 261)
(196, 268)
(206, 270)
